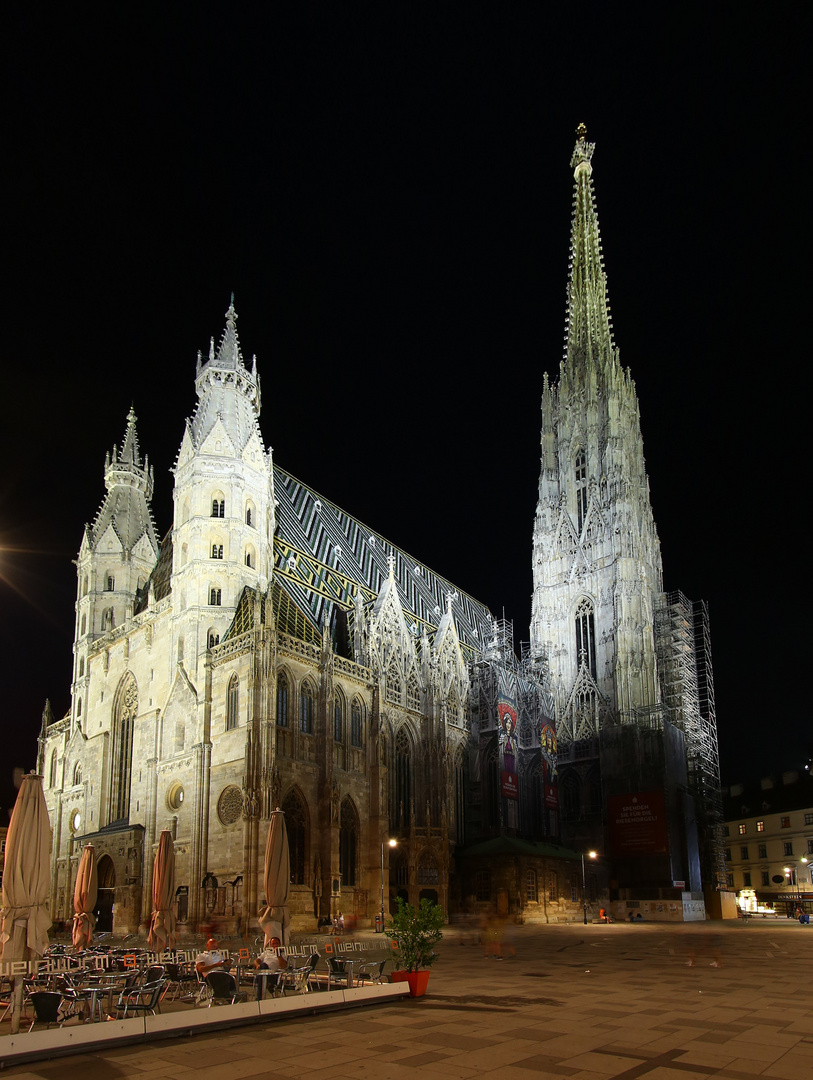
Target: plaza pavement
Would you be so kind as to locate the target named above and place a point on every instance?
(591, 1003)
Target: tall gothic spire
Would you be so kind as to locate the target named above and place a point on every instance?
(588, 328)
(126, 506)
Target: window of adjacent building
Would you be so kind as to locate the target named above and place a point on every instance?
(586, 636)
(581, 488)
(763, 851)
(726, 831)
(808, 819)
(215, 596)
(553, 887)
(232, 703)
(766, 877)
(530, 887)
(788, 847)
(760, 826)
(728, 854)
(746, 879)
(744, 851)
(810, 847)
(742, 830)
(282, 701)
(306, 709)
(784, 822)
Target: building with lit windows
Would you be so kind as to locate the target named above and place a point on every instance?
(769, 842)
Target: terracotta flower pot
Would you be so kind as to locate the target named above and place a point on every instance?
(418, 981)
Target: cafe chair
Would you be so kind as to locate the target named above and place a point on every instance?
(46, 1005)
(224, 988)
(141, 999)
(372, 971)
(338, 973)
(300, 979)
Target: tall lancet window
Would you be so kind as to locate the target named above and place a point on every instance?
(401, 790)
(232, 703)
(125, 710)
(581, 488)
(586, 636)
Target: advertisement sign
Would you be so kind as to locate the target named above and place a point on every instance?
(638, 823)
(510, 787)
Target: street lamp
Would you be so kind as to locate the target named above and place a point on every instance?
(592, 855)
(387, 843)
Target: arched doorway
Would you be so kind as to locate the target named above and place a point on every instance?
(428, 894)
(106, 895)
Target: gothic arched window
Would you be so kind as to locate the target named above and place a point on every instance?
(393, 684)
(125, 710)
(77, 774)
(215, 596)
(413, 693)
(296, 824)
(402, 788)
(348, 841)
(217, 551)
(585, 636)
(338, 717)
(306, 709)
(460, 786)
(232, 703)
(581, 488)
(356, 716)
(282, 700)
(52, 770)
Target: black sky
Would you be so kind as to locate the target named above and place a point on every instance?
(385, 188)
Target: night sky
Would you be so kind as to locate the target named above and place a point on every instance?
(386, 190)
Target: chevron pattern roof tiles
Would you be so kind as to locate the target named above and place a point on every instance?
(324, 556)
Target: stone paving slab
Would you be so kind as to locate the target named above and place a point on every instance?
(599, 1002)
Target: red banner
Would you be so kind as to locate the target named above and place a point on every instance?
(638, 823)
(551, 797)
(510, 787)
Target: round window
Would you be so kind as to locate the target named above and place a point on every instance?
(230, 804)
(175, 797)
(76, 821)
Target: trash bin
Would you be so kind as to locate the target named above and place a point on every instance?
(379, 923)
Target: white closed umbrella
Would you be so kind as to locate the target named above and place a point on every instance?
(275, 919)
(24, 916)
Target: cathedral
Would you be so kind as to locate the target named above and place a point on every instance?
(270, 650)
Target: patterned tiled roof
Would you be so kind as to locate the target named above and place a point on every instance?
(323, 557)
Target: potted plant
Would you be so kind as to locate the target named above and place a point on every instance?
(415, 931)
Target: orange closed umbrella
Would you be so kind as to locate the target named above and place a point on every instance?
(84, 899)
(24, 917)
(162, 920)
(275, 919)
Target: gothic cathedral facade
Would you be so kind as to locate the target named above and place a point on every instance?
(273, 651)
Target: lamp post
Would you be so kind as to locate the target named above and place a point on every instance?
(387, 843)
(592, 855)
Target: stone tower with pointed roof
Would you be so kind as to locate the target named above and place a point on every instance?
(596, 553)
(223, 499)
(116, 557)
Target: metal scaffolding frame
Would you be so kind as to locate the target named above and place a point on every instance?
(683, 644)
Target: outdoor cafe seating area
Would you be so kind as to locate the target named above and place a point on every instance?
(69, 987)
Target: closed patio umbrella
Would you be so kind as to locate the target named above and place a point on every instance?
(162, 920)
(84, 899)
(275, 919)
(24, 916)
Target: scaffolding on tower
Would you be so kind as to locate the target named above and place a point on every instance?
(683, 643)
